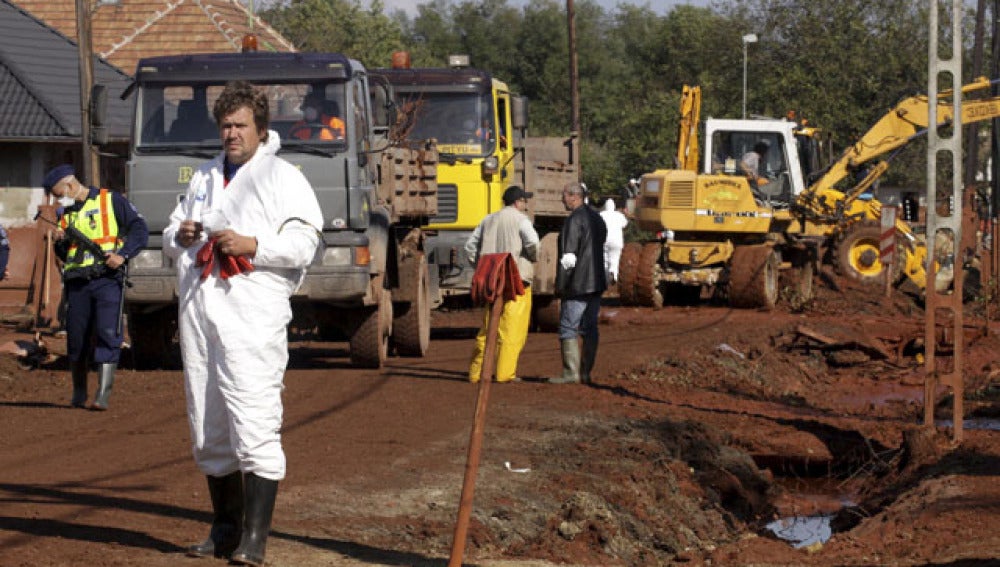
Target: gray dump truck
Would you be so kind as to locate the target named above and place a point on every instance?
(369, 285)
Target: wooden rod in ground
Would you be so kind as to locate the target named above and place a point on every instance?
(476, 438)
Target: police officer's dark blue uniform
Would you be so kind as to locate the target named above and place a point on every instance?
(4, 252)
(94, 288)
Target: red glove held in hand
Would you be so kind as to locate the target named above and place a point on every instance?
(206, 258)
(229, 266)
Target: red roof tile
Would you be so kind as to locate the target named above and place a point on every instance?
(124, 33)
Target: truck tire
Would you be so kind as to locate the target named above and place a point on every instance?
(151, 337)
(753, 277)
(370, 340)
(411, 322)
(647, 285)
(859, 252)
(628, 273)
(798, 280)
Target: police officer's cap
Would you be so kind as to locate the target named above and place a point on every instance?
(57, 174)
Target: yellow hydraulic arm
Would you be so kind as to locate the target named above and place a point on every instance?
(831, 209)
(904, 122)
(687, 138)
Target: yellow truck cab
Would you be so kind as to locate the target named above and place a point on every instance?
(468, 112)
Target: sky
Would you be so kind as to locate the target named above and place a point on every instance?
(659, 6)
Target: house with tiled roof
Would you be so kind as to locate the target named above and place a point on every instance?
(39, 73)
(124, 31)
(40, 107)
(40, 117)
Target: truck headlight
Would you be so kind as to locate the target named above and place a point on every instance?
(491, 165)
(150, 258)
(337, 256)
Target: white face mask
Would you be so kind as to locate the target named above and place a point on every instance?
(310, 114)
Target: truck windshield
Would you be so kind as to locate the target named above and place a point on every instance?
(462, 123)
(170, 116)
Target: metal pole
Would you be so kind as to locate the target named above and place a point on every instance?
(744, 78)
(573, 82)
(476, 437)
(972, 130)
(938, 305)
(91, 164)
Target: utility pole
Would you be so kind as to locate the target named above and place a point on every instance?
(972, 130)
(574, 87)
(995, 134)
(91, 161)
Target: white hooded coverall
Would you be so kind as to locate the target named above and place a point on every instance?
(233, 332)
(616, 223)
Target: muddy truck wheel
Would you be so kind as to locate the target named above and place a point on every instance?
(753, 277)
(151, 338)
(370, 340)
(647, 285)
(858, 254)
(798, 280)
(411, 322)
(628, 273)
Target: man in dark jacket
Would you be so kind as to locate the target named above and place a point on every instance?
(580, 281)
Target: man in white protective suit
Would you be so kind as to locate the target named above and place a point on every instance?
(241, 240)
(616, 223)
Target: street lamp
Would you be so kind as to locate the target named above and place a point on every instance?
(748, 38)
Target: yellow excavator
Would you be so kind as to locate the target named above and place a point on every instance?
(714, 228)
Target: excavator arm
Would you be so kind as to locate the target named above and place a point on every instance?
(908, 120)
(687, 137)
(841, 211)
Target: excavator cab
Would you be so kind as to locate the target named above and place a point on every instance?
(731, 150)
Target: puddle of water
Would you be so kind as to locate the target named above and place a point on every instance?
(981, 423)
(802, 531)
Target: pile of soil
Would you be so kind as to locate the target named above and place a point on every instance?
(704, 425)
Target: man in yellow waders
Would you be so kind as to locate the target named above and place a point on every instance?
(507, 230)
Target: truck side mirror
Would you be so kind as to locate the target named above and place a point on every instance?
(382, 106)
(99, 115)
(519, 112)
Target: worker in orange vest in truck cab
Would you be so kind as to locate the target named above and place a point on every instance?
(320, 120)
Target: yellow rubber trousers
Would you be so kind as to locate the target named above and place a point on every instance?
(513, 332)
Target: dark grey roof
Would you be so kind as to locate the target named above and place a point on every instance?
(40, 82)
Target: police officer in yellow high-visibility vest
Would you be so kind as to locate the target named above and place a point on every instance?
(93, 284)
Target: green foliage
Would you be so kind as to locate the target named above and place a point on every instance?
(840, 64)
(342, 26)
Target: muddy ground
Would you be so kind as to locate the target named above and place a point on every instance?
(704, 425)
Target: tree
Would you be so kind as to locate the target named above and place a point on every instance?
(341, 26)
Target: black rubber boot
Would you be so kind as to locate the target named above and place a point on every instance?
(227, 505)
(588, 358)
(571, 363)
(78, 370)
(258, 505)
(105, 381)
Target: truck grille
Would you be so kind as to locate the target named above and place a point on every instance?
(447, 204)
(680, 194)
